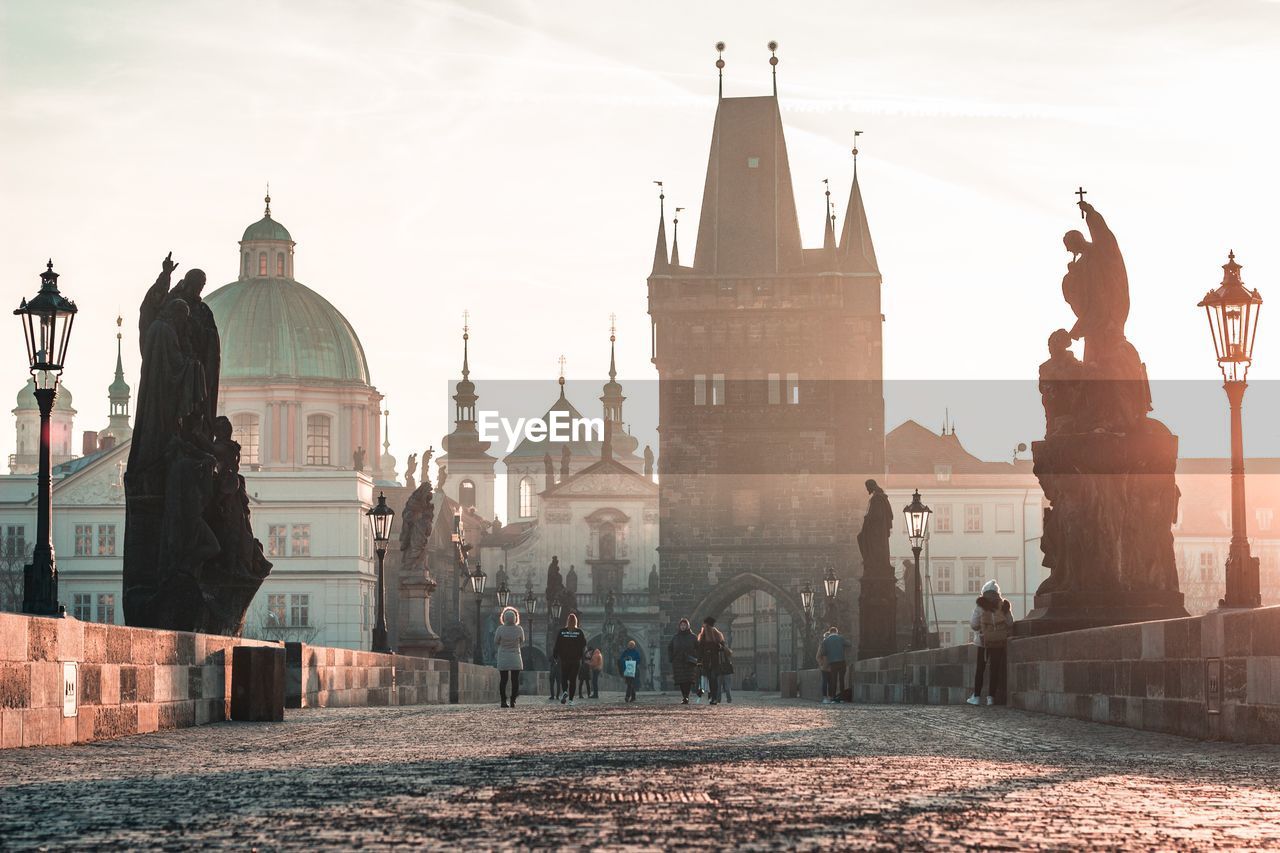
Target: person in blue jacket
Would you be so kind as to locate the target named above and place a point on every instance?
(629, 666)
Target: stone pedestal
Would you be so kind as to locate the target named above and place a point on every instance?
(414, 635)
(1108, 537)
(257, 684)
(877, 617)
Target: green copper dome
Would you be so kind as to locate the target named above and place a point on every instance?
(27, 397)
(278, 329)
(266, 228)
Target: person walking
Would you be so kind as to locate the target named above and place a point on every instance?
(833, 649)
(988, 602)
(508, 641)
(711, 648)
(682, 651)
(596, 663)
(726, 674)
(821, 657)
(629, 667)
(997, 627)
(570, 645)
(584, 676)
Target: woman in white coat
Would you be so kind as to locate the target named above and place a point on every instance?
(509, 641)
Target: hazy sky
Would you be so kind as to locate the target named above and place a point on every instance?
(432, 156)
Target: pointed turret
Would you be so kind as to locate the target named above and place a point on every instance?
(829, 220)
(616, 439)
(660, 262)
(464, 441)
(857, 254)
(675, 238)
(118, 394)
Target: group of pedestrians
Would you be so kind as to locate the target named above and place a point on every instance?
(833, 662)
(705, 660)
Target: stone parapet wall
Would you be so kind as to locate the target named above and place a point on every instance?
(930, 677)
(324, 677)
(127, 680)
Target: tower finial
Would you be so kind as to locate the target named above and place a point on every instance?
(856, 134)
(675, 238)
(660, 261)
(720, 64)
(268, 201)
(829, 217)
(466, 336)
(613, 337)
(386, 431)
(561, 361)
(773, 61)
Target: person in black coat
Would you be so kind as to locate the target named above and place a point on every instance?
(682, 651)
(570, 645)
(711, 650)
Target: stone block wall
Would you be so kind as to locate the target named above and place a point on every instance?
(930, 677)
(128, 680)
(324, 677)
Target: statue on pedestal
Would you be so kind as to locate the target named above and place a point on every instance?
(1106, 467)
(415, 635)
(411, 468)
(190, 560)
(877, 601)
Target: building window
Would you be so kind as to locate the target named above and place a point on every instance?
(1265, 517)
(753, 162)
(1004, 518)
(301, 545)
(280, 265)
(106, 540)
(244, 270)
(107, 608)
(299, 610)
(82, 606)
(973, 571)
(14, 543)
(246, 429)
(945, 637)
(793, 389)
(1208, 566)
(1007, 576)
(277, 536)
(276, 611)
(942, 472)
(775, 389)
(699, 389)
(973, 518)
(717, 389)
(942, 518)
(467, 493)
(943, 571)
(608, 541)
(318, 439)
(262, 263)
(526, 497)
(84, 540)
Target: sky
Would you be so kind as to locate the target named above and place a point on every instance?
(498, 157)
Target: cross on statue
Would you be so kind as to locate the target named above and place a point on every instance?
(1081, 192)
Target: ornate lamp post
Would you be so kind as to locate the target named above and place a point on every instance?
(653, 655)
(478, 579)
(504, 595)
(530, 608)
(46, 323)
(380, 518)
(917, 518)
(1232, 310)
(830, 586)
(806, 603)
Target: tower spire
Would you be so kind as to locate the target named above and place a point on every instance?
(857, 253)
(773, 61)
(828, 214)
(561, 361)
(675, 238)
(660, 248)
(720, 65)
(466, 336)
(267, 213)
(616, 439)
(118, 394)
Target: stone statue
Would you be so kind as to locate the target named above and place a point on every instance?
(571, 590)
(441, 476)
(877, 600)
(416, 584)
(416, 520)
(654, 583)
(555, 583)
(648, 462)
(410, 468)
(190, 560)
(1106, 467)
(358, 457)
(549, 470)
(565, 456)
(501, 578)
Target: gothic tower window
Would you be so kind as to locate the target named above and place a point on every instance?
(526, 497)
(318, 434)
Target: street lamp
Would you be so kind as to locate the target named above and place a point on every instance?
(831, 583)
(653, 654)
(556, 609)
(504, 595)
(380, 518)
(46, 323)
(806, 603)
(477, 586)
(1232, 310)
(530, 608)
(917, 519)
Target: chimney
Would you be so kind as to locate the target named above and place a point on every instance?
(89, 443)
(107, 442)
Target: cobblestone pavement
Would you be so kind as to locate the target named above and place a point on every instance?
(760, 773)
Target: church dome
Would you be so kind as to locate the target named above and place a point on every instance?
(27, 397)
(266, 228)
(278, 328)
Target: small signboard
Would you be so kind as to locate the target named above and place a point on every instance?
(1213, 685)
(70, 677)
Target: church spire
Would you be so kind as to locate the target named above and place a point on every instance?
(465, 397)
(829, 215)
(773, 61)
(561, 361)
(857, 254)
(720, 66)
(660, 248)
(616, 440)
(118, 394)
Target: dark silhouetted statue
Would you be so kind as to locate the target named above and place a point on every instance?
(190, 560)
(416, 636)
(877, 601)
(411, 468)
(1106, 467)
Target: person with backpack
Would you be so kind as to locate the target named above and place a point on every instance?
(682, 651)
(629, 667)
(571, 644)
(596, 664)
(992, 623)
(833, 650)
